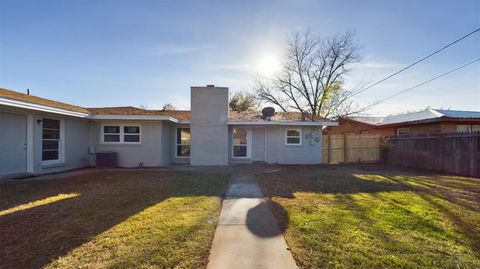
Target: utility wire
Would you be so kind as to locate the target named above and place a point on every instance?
(425, 82)
(419, 61)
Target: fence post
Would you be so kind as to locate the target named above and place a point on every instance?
(441, 145)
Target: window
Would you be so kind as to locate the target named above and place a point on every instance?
(126, 134)
(183, 142)
(131, 134)
(111, 133)
(403, 131)
(52, 139)
(240, 142)
(468, 128)
(293, 137)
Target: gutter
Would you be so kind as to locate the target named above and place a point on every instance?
(132, 117)
(32, 106)
(285, 123)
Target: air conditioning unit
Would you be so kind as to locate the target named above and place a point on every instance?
(106, 159)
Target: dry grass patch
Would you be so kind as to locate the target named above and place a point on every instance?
(122, 219)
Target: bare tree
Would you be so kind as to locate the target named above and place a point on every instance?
(311, 80)
(243, 101)
(168, 107)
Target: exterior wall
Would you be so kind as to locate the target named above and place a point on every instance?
(75, 141)
(349, 126)
(310, 152)
(353, 127)
(76, 144)
(148, 153)
(209, 130)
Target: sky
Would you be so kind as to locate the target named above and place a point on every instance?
(149, 53)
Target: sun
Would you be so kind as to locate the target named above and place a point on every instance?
(268, 65)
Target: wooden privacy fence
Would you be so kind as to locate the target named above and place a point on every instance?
(452, 153)
(351, 148)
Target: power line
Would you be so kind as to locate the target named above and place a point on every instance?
(419, 61)
(425, 82)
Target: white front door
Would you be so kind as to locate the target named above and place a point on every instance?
(13, 144)
(241, 143)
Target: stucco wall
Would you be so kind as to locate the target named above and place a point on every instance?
(310, 152)
(148, 152)
(209, 130)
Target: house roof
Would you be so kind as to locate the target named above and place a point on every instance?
(367, 120)
(257, 116)
(185, 115)
(18, 96)
(130, 112)
(418, 117)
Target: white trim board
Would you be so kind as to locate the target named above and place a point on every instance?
(26, 105)
(132, 117)
(285, 123)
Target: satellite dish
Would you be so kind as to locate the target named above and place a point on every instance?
(268, 112)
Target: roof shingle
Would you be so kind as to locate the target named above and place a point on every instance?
(18, 96)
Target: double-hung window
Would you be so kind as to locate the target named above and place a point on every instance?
(183, 142)
(293, 137)
(131, 134)
(121, 134)
(52, 140)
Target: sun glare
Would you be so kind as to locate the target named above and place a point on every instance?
(268, 65)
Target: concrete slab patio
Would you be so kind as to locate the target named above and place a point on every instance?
(247, 234)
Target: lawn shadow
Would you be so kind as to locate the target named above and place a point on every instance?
(323, 179)
(34, 237)
(345, 181)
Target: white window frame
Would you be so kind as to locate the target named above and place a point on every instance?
(179, 143)
(122, 134)
(404, 128)
(248, 145)
(300, 141)
(61, 143)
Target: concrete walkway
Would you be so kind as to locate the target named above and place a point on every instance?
(247, 235)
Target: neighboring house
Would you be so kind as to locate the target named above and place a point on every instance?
(429, 121)
(41, 136)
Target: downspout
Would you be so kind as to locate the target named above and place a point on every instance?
(265, 146)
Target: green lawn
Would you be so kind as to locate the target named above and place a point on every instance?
(122, 219)
(374, 216)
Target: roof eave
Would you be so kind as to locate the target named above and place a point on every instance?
(133, 117)
(285, 123)
(43, 108)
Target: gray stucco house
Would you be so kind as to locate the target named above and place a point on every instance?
(40, 136)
